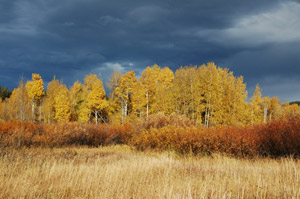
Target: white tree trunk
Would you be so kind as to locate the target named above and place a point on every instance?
(122, 112)
(147, 95)
(32, 109)
(40, 112)
(125, 111)
(265, 114)
(96, 116)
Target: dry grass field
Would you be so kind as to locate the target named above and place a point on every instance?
(119, 172)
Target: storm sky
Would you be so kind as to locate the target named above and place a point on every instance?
(258, 39)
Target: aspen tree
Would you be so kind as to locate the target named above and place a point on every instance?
(255, 106)
(124, 92)
(148, 81)
(164, 86)
(114, 102)
(35, 90)
(290, 110)
(240, 104)
(13, 105)
(96, 99)
(139, 101)
(76, 99)
(266, 105)
(48, 108)
(234, 104)
(4, 114)
(276, 110)
(18, 103)
(188, 92)
(84, 110)
(62, 104)
(213, 90)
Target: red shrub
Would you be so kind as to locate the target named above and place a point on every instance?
(17, 134)
(274, 139)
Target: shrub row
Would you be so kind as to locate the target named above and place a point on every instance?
(275, 139)
(18, 134)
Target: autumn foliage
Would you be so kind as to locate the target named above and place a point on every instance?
(18, 134)
(274, 139)
(207, 95)
(196, 110)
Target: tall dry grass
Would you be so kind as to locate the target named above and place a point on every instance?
(118, 172)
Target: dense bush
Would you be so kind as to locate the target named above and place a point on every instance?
(274, 139)
(229, 140)
(160, 120)
(19, 134)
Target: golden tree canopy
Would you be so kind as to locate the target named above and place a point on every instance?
(35, 87)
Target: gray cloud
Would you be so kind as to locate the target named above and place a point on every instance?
(69, 39)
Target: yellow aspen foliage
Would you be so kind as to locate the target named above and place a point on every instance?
(139, 100)
(148, 81)
(290, 110)
(84, 111)
(3, 106)
(114, 102)
(124, 93)
(4, 114)
(62, 104)
(89, 81)
(217, 111)
(19, 104)
(206, 95)
(49, 102)
(213, 91)
(115, 81)
(35, 89)
(294, 110)
(96, 100)
(234, 109)
(240, 105)
(186, 91)
(266, 106)
(76, 99)
(228, 99)
(13, 105)
(210, 95)
(276, 109)
(163, 94)
(273, 108)
(196, 84)
(256, 113)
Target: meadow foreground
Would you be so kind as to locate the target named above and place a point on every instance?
(119, 172)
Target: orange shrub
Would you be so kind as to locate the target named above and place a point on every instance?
(18, 134)
(274, 139)
(160, 120)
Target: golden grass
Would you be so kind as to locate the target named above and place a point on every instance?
(118, 172)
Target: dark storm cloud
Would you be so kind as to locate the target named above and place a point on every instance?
(69, 39)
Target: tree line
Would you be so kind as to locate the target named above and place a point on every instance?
(206, 94)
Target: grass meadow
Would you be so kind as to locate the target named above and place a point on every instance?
(120, 172)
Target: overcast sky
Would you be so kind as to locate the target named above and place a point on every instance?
(258, 39)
